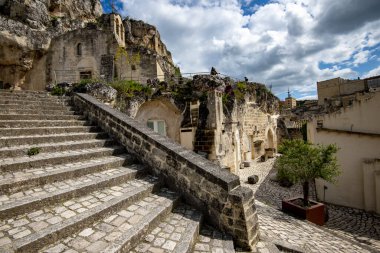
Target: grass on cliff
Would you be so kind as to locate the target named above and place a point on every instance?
(129, 89)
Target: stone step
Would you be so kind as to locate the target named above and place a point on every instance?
(44, 159)
(37, 197)
(213, 240)
(24, 179)
(122, 229)
(25, 93)
(39, 117)
(34, 98)
(15, 106)
(14, 151)
(42, 123)
(51, 138)
(62, 111)
(177, 233)
(47, 130)
(45, 102)
(31, 231)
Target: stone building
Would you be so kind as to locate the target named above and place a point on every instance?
(68, 41)
(107, 51)
(338, 90)
(290, 102)
(355, 129)
(231, 132)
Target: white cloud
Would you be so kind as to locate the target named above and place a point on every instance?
(281, 43)
(373, 72)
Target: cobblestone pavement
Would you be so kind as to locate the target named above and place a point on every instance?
(346, 228)
(34, 221)
(211, 240)
(111, 229)
(174, 233)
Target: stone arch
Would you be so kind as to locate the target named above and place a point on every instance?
(161, 109)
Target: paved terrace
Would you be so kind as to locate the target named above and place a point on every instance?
(348, 229)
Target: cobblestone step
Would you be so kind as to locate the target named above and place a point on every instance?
(47, 130)
(51, 138)
(32, 231)
(14, 151)
(177, 233)
(35, 101)
(27, 178)
(37, 197)
(25, 93)
(61, 111)
(15, 106)
(121, 230)
(213, 240)
(39, 117)
(30, 97)
(44, 159)
(42, 123)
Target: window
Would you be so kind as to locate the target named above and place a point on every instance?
(117, 27)
(158, 126)
(79, 49)
(85, 75)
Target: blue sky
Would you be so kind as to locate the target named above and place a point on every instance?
(284, 43)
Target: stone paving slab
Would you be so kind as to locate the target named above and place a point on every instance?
(42, 123)
(19, 163)
(174, 234)
(275, 224)
(348, 226)
(40, 220)
(56, 188)
(46, 130)
(55, 147)
(213, 240)
(9, 179)
(48, 138)
(117, 225)
(39, 117)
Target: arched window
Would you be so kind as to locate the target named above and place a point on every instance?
(79, 49)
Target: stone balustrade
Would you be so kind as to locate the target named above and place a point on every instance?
(216, 192)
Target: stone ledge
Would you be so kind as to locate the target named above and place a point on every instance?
(214, 191)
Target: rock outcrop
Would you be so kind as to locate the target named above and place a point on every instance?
(140, 34)
(26, 30)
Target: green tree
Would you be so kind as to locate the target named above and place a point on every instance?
(303, 162)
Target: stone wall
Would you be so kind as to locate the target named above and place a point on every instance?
(64, 64)
(225, 203)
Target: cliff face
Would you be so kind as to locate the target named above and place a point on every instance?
(140, 34)
(26, 29)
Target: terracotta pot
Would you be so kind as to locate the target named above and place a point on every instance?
(314, 213)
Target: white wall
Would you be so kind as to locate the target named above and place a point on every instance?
(356, 132)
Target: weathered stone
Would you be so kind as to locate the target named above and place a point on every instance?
(253, 179)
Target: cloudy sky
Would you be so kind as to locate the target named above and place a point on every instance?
(284, 43)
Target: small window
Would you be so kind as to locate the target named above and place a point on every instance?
(79, 49)
(158, 126)
(133, 67)
(85, 75)
(117, 27)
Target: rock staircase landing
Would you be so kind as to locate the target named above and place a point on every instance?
(83, 192)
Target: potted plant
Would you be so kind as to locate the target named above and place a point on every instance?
(303, 162)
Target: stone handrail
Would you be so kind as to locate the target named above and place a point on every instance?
(214, 191)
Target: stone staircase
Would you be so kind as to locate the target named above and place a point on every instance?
(83, 192)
